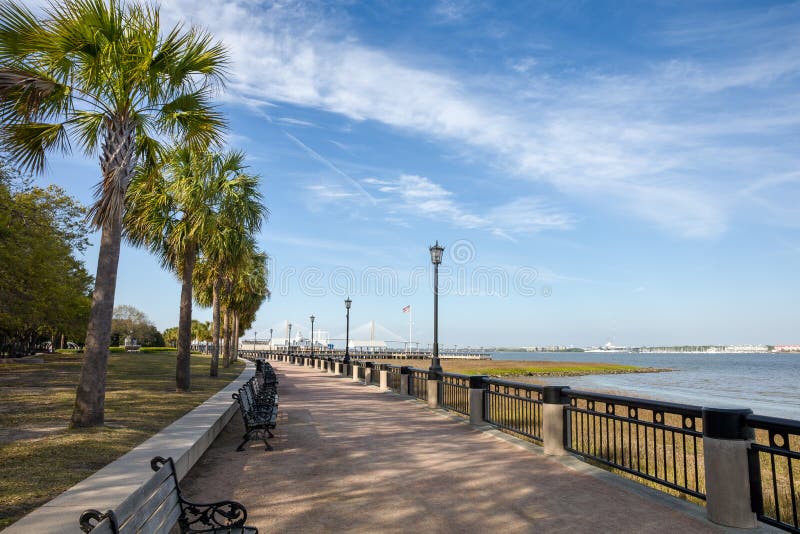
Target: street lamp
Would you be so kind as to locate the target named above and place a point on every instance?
(346, 360)
(270, 339)
(435, 370)
(312, 335)
(289, 340)
(255, 335)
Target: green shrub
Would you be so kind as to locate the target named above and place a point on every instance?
(157, 349)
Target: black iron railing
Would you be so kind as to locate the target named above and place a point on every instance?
(375, 376)
(360, 370)
(658, 441)
(418, 383)
(775, 471)
(514, 407)
(394, 378)
(454, 392)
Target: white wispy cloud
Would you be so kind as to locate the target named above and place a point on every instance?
(422, 197)
(327, 163)
(294, 122)
(638, 143)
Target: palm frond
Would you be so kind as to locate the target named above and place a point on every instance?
(29, 95)
(28, 143)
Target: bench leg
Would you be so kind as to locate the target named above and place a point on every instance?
(270, 433)
(245, 440)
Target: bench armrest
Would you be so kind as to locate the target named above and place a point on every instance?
(199, 517)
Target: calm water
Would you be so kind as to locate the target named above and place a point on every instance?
(768, 384)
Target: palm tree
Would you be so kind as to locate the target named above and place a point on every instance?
(249, 292)
(101, 74)
(215, 272)
(181, 212)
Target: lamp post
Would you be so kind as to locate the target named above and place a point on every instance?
(289, 340)
(255, 335)
(312, 335)
(270, 338)
(346, 360)
(436, 258)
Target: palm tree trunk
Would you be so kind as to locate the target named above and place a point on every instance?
(183, 373)
(226, 359)
(215, 329)
(236, 336)
(91, 393)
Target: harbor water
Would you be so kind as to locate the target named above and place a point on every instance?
(767, 383)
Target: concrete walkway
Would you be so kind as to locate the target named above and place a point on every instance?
(349, 458)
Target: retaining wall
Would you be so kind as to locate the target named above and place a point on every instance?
(185, 440)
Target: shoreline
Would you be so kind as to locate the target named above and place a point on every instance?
(526, 369)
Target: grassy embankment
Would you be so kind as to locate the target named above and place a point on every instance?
(42, 458)
(526, 370)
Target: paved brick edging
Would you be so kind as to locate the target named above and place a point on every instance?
(185, 440)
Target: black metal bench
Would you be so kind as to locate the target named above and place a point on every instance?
(259, 409)
(258, 404)
(157, 506)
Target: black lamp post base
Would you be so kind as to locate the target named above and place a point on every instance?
(435, 370)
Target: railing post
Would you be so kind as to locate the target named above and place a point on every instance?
(355, 371)
(337, 368)
(405, 376)
(726, 441)
(433, 390)
(477, 389)
(384, 379)
(367, 373)
(554, 427)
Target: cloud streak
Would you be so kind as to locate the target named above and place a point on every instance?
(639, 143)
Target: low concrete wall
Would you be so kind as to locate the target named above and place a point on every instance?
(185, 440)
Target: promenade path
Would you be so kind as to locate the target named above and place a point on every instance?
(349, 458)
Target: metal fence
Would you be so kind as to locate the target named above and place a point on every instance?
(394, 378)
(454, 392)
(775, 471)
(418, 383)
(375, 376)
(657, 441)
(514, 407)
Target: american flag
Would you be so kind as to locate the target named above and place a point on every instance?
(407, 309)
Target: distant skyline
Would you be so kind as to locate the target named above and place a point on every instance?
(597, 171)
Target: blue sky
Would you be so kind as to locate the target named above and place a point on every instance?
(624, 171)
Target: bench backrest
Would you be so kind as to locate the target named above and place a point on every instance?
(153, 507)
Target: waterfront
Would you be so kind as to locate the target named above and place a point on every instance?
(765, 383)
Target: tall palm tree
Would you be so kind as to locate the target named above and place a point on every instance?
(215, 271)
(249, 292)
(182, 211)
(102, 74)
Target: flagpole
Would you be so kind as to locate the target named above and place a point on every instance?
(410, 312)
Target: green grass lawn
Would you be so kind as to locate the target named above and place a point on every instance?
(42, 458)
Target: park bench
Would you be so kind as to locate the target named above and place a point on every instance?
(157, 506)
(258, 404)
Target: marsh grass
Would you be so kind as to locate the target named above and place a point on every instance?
(519, 368)
(783, 487)
(42, 457)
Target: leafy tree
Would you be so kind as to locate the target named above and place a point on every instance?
(171, 336)
(194, 200)
(44, 288)
(130, 321)
(102, 75)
